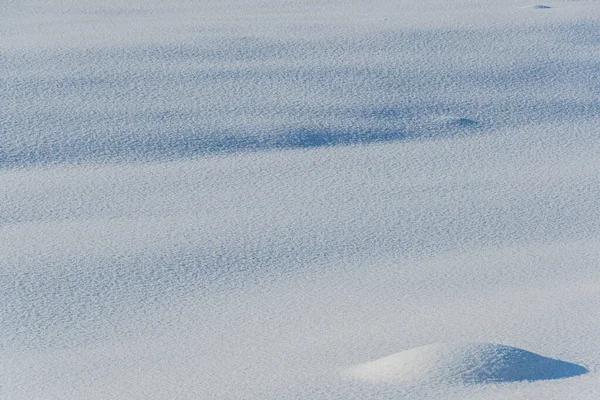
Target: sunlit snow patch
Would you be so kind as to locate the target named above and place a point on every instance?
(470, 363)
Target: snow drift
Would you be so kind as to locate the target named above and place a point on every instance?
(468, 363)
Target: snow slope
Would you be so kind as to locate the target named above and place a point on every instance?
(227, 199)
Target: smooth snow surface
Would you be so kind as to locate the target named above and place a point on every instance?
(464, 363)
(226, 199)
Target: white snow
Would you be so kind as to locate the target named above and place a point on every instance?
(463, 363)
(241, 199)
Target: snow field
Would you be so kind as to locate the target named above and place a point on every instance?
(245, 199)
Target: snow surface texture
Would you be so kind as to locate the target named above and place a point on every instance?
(464, 363)
(234, 200)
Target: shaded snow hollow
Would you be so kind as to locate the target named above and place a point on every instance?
(466, 363)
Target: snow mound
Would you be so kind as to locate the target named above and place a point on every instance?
(470, 363)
